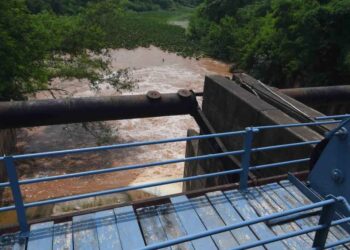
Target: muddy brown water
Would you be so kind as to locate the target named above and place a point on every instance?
(154, 69)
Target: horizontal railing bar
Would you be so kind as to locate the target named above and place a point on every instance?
(278, 164)
(5, 184)
(340, 221)
(334, 244)
(293, 125)
(130, 167)
(129, 188)
(138, 166)
(280, 237)
(337, 243)
(138, 144)
(125, 145)
(239, 225)
(281, 146)
(8, 208)
(321, 118)
(340, 242)
(345, 203)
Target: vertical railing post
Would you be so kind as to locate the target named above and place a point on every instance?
(16, 193)
(245, 163)
(327, 215)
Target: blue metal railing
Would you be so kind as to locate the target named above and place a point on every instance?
(248, 136)
(338, 117)
(325, 222)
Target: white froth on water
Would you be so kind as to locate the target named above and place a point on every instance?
(155, 70)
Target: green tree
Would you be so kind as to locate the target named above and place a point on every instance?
(36, 48)
(282, 42)
(23, 49)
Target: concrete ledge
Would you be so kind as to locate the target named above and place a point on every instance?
(229, 107)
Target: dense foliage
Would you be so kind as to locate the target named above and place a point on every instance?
(282, 42)
(38, 44)
(57, 6)
(69, 7)
(23, 46)
(152, 5)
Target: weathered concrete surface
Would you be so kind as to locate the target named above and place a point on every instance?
(7, 141)
(229, 107)
(7, 146)
(191, 149)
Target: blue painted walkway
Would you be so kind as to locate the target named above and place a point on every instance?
(127, 228)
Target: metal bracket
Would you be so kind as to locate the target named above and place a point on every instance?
(330, 175)
(153, 95)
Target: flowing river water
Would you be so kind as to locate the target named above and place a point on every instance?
(154, 69)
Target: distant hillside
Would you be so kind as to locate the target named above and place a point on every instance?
(57, 6)
(69, 7)
(148, 5)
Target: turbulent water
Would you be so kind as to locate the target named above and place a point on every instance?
(154, 70)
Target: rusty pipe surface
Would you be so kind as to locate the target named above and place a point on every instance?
(320, 95)
(73, 110)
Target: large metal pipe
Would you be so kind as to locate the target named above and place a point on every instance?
(73, 110)
(320, 95)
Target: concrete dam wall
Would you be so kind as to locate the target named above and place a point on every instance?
(229, 106)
